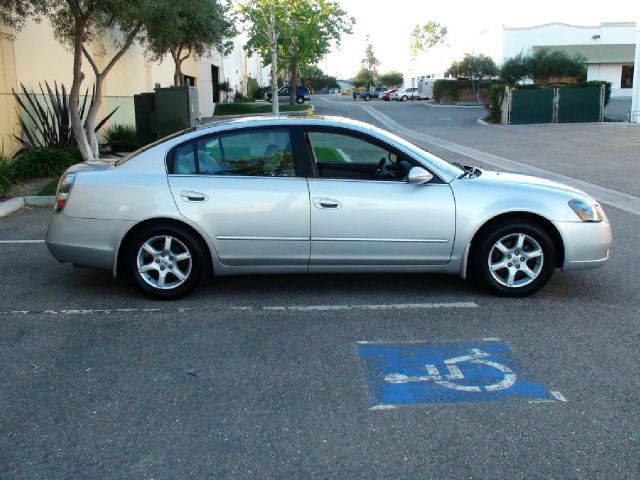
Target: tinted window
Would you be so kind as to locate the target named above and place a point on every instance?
(264, 153)
(183, 163)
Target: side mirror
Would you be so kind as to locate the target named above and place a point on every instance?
(418, 175)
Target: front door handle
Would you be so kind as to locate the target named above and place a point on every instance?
(193, 196)
(320, 202)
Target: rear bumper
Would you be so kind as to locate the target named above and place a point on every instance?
(86, 242)
(586, 245)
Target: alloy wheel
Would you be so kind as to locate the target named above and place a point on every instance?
(516, 260)
(164, 262)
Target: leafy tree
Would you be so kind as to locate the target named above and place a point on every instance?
(425, 37)
(75, 23)
(315, 78)
(392, 79)
(475, 68)
(368, 74)
(546, 64)
(543, 66)
(182, 29)
(515, 69)
(265, 21)
(364, 78)
(307, 29)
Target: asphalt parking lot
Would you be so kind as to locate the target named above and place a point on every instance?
(264, 376)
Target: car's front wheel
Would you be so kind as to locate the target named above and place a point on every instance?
(299, 100)
(404, 98)
(514, 259)
(166, 261)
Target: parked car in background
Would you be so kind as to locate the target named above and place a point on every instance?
(375, 93)
(302, 95)
(318, 194)
(404, 94)
(386, 96)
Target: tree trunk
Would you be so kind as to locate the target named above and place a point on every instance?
(275, 103)
(74, 95)
(90, 122)
(293, 78)
(178, 79)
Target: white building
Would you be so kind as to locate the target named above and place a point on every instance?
(609, 48)
(235, 69)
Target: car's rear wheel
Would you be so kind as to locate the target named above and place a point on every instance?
(404, 98)
(166, 261)
(299, 100)
(514, 259)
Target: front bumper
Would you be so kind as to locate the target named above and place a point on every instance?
(586, 244)
(86, 242)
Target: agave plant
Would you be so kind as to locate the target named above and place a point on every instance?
(46, 122)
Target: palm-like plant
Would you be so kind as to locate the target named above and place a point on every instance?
(46, 122)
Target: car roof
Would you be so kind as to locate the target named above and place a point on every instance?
(275, 120)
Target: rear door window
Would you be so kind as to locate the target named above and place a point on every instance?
(258, 153)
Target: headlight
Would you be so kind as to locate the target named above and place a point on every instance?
(586, 211)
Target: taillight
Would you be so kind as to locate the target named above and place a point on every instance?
(64, 190)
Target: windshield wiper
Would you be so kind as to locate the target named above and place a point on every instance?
(469, 171)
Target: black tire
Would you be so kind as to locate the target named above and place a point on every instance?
(404, 98)
(367, 98)
(299, 100)
(486, 252)
(183, 240)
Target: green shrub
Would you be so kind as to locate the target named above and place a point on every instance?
(599, 83)
(447, 88)
(495, 100)
(121, 138)
(7, 176)
(44, 162)
(450, 89)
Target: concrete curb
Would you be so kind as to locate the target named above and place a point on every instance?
(15, 204)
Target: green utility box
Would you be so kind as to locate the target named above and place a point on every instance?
(165, 111)
(145, 107)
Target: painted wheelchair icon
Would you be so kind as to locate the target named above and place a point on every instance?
(410, 373)
(476, 356)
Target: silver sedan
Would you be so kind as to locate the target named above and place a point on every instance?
(298, 195)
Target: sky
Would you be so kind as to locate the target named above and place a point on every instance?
(473, 27)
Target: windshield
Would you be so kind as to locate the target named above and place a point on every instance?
(151, 145)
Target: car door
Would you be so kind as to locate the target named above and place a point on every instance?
(244, 189)
(359, 218)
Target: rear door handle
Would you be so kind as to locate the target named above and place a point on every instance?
(193, 196)
(326, 203)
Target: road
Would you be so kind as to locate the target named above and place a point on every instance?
(261, 377)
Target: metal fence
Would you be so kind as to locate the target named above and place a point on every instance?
(554, 105)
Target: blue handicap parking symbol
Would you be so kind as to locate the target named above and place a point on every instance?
(409, 373)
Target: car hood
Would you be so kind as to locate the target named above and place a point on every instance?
(508, 178)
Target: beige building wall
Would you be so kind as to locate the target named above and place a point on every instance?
(35, 56)
(8, 116)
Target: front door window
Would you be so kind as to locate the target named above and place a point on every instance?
(348, 157)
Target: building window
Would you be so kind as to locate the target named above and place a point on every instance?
(626, 81)
(190, 81)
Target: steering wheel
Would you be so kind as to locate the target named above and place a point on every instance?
(380, 168)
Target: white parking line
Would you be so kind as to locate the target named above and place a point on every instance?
(291, 308)
(20, 241)
(393, 306)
